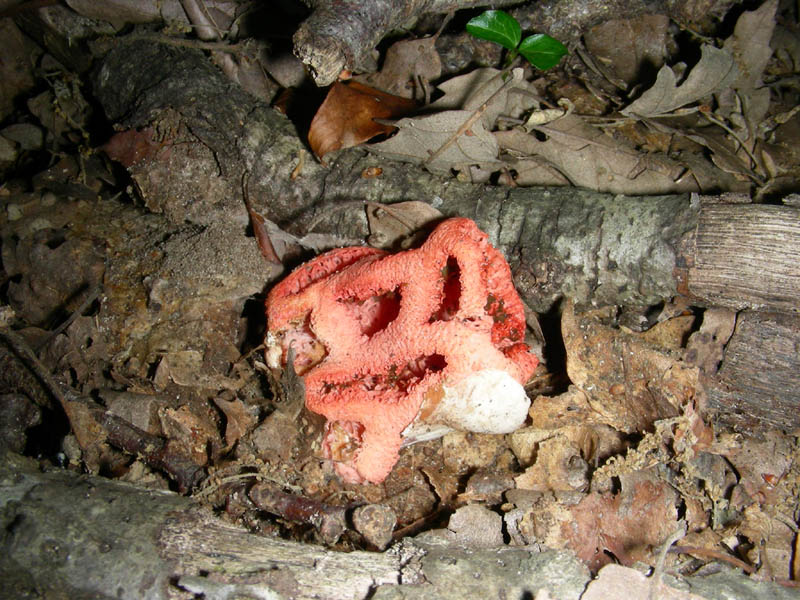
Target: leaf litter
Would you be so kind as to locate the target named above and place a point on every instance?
(719, 103)
(610, 468)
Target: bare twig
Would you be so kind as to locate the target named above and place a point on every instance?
(658, 571)
(327, 519)
(717, 121)
(203, 22)
(716, 555)
(94, 292)
(155, 451)
(238, 48)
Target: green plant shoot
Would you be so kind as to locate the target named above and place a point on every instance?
(539, 49)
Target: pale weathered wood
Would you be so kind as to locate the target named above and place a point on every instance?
(758, 384)
(747, 256)
(198, 542)
(69, 536)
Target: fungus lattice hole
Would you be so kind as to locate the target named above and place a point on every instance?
(401, 378)
(376, 312)
(451, 291)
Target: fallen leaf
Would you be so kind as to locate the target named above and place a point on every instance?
(623, 47)
(559, 467)
(629, 525)
(132, 146)
(626, 380)
(714, 73)
(750, 44)
(746, 102)
(772, 540)
(419, 138)
(240, 419)
(187, 368)
(669, 335)
(408, 65)
(705, 347)
(471, 90)
(525, 172)
(195, 434)
(463, 451)
(347, 116)
(589, 158)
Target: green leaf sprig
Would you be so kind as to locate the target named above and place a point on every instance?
(541, 50)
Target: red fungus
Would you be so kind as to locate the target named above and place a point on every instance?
(385, 340)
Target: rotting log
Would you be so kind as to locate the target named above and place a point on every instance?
(342, 34)
(745, 256)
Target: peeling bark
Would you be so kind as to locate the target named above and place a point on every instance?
(756, 386)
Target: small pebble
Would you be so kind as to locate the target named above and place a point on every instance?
(376, 523)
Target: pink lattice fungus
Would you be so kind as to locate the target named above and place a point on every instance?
(395, 348)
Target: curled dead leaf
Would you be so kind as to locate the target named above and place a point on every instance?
(347, 116)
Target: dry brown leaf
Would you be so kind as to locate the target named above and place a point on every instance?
(559, 467)
(600, 527)
(464, 451)
(750, 44)
(471, 90)
(419, 138)
(529, 172)
(589, 158)
(187, 368)
(705, 347)
(714, 73)
(276, 438)
(194, 433)
(630, 383)
(240, 419)
(408, 65)
(671, 334)
(623, 47)
(347, 116)
(132, 146)
(772, 540)
(766, 468)
(628, 525)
